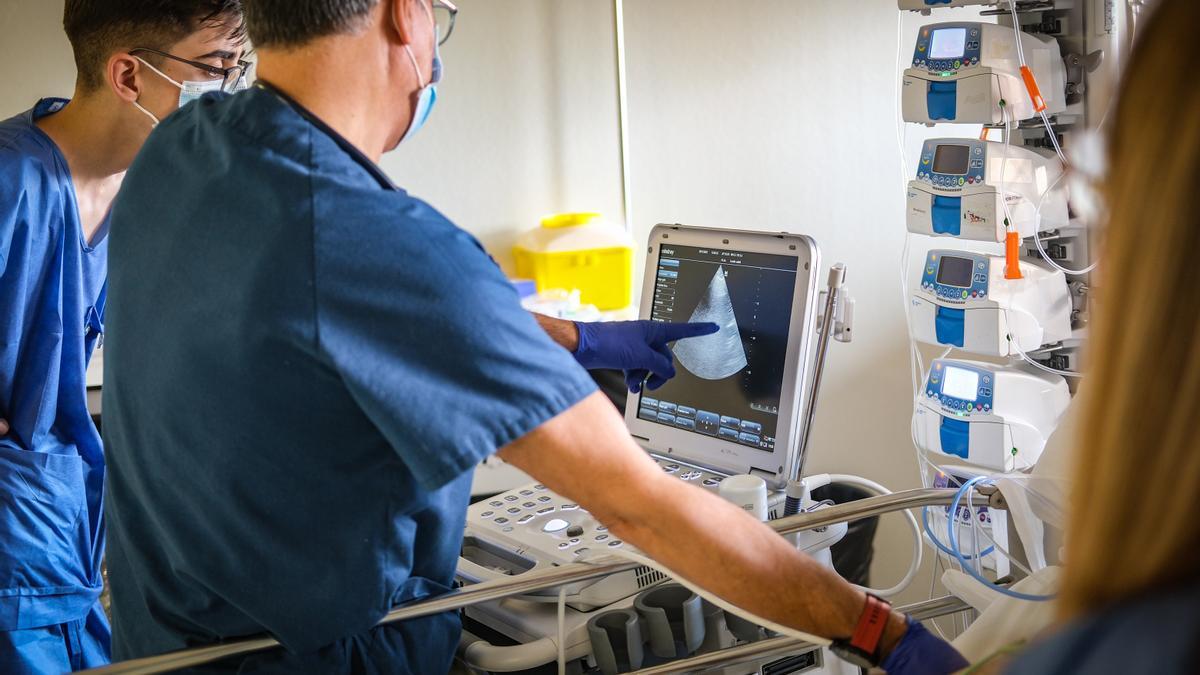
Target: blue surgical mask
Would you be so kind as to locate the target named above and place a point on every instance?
(189, 90)
(426, 95)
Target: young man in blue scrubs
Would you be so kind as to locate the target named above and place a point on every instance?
(305, 363)
(61, 164)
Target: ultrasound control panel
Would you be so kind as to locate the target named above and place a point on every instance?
(534, 519)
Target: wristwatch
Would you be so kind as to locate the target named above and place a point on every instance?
(864, 647)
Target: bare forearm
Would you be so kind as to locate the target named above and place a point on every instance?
(563, 332)
(586, 454)
(720, 547)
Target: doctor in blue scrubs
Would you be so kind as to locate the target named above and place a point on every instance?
(61, 164)
(305, 363)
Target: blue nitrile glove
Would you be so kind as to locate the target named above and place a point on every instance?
(923, 653)
(639, 348)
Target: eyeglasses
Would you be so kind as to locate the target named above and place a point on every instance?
(444, 14)
(229, 76)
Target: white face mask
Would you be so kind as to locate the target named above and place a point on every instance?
(189, 90)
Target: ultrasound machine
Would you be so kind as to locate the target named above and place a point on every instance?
(736, 406)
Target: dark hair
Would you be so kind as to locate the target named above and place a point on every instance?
(291, 23)
(97, 28)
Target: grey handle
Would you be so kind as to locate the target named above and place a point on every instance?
(617, 641)
(674, 619)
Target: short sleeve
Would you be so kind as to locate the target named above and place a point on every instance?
(429, 336)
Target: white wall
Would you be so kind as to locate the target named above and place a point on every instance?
(36, 54)
(759, 114)
(781, 115)
(526, 120)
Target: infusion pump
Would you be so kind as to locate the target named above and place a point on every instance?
(996, 417)
(962, 186)
(964, 300)
(961, 72)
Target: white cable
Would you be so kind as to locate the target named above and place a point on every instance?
(1012, 6)
(918, 541)
(1016, 344)
(976, 558)
(1037, 219)
(933, 577)
(915, 363)
(914, 358)
(1062, 157)
(1010, 223)
(716, 600)
(1004, 552)
(912, 425)
(562, 631)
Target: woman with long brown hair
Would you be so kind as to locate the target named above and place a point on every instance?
(1130, 600)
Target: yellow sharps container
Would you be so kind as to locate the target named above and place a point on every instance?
(579, 251)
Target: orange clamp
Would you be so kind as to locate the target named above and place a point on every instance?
(1031, 85)
(1012, 255)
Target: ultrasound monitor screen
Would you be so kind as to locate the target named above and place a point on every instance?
(727, 385)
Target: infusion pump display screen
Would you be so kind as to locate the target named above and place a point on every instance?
(948, 43)
(727, 385)
(951, 159)
(961, 384)
(955, 271)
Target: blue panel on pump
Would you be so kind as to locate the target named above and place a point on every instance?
(942, 100)
(955, 437)
(949, 324)
(947, 215)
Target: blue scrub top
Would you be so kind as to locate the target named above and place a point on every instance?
(303, 366)
(51, 311)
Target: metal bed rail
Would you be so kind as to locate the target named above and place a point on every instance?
(783, 645)
(551, 578)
